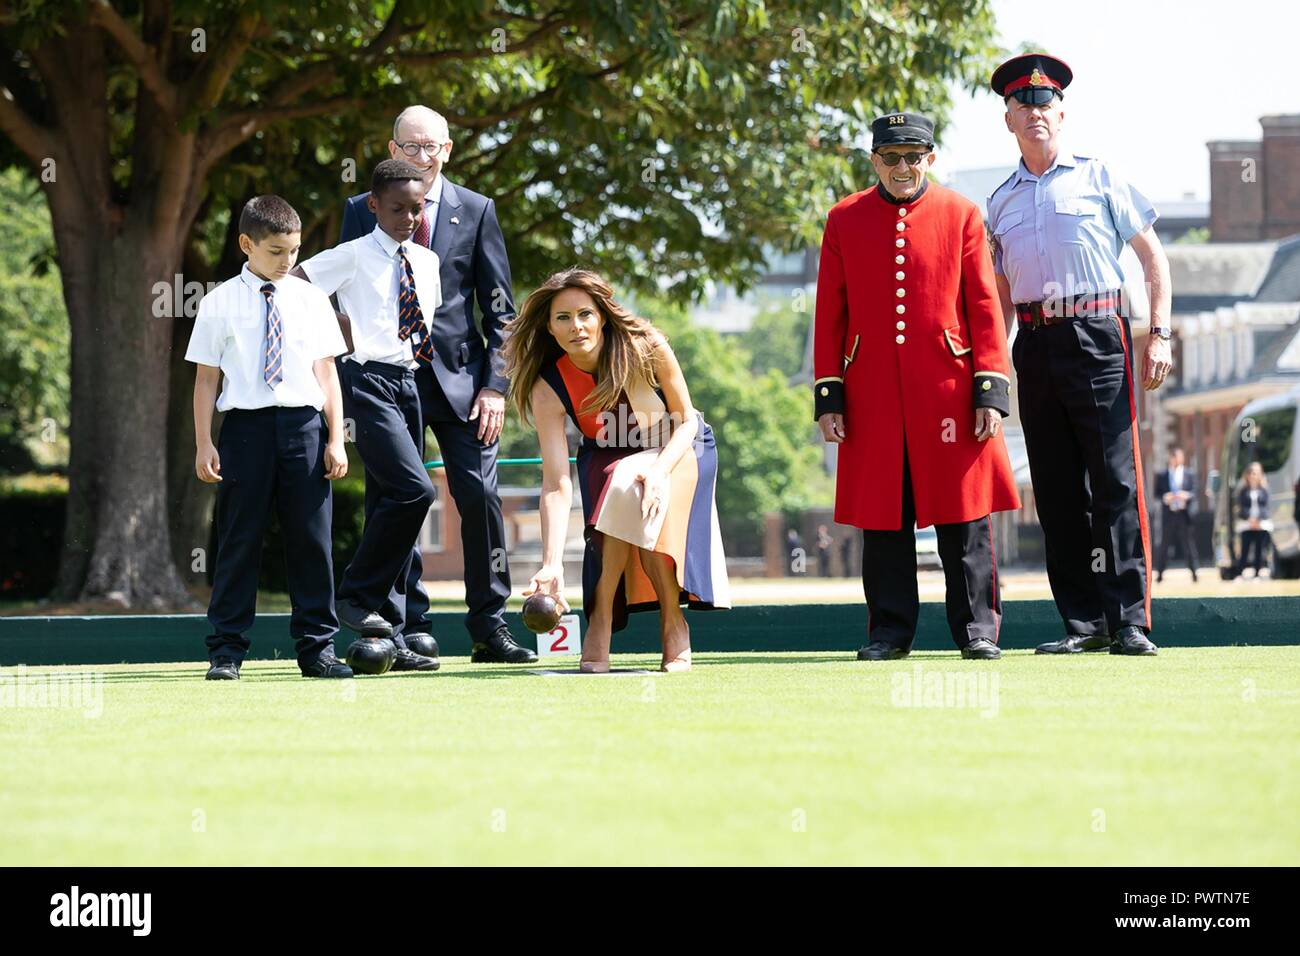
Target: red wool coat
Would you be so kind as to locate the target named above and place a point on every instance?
(908, 340)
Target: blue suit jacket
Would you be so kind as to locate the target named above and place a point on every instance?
(473, 267)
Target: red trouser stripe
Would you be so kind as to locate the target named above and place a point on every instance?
(1137, 471)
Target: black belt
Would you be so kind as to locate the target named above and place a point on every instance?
(386, 368)
(1068, 308)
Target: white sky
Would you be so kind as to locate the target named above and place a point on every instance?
(1153, 81)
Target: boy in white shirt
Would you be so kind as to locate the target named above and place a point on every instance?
(273, 337)
(389, 288)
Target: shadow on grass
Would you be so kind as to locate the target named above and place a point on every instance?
(494, 674)
(270, 671)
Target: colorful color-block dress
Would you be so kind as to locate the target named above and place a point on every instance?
(616, 446)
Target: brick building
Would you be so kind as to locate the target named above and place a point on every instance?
(1236, 309)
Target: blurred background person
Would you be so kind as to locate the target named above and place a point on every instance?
(1176, 489)
(1252, 518)
(824, 542)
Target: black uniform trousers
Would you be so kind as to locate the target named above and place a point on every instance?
(272, 458)
(471, 469)
(969, 571)
(1078, 412)
(381, 401)
(1176, 526)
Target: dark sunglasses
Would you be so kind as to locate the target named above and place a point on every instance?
(1035, 95)
(893, 159)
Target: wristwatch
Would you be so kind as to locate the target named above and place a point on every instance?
(1162, 331)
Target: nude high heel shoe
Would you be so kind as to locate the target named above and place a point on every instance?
(679, 664)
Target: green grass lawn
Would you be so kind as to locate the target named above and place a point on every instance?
(1192, 757)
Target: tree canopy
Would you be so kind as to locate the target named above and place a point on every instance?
(662, 144)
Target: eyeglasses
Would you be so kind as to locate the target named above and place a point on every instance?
(893, 159)
(414, 149)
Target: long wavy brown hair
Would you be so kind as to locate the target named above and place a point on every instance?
(628, 343)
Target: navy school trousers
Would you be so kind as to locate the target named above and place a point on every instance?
(272, 458)
(382, 402)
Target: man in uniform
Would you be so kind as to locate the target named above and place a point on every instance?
(912, 382)
(1059, 224)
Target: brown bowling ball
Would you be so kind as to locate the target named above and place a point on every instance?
(541, 613)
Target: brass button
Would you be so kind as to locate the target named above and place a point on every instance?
(987, 385)
(899, 276)
(899, 339)
(827, 391)
(900, 292)
(900, 326)
(899, 259)
(902, 211)
(900, 309)
(900, 242)
(900, 227)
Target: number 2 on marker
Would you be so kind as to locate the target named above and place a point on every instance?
(561, 644)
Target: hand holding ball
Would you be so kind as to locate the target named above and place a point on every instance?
(541, 613)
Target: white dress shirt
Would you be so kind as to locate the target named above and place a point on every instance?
(230, 334)
(1176, 484)
(366, 273)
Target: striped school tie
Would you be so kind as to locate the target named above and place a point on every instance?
(424, 231)
(273, 367)
(410, 320)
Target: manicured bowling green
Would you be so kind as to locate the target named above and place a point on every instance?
(1191, 757)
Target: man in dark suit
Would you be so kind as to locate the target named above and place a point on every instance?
(1176, 489)
(462, 392)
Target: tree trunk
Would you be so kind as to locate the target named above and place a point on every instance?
(191, 500)
(130, 561)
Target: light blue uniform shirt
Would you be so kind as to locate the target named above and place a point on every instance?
(1061, 234)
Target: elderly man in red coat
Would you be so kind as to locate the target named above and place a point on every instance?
(912, 383)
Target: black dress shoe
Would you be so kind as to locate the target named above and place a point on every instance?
(366, 623)
(326, 664)
(421, 643)
(1132, 641)
(880, 651)
(981, 649)
(501, 648)
(1075, 644)
(223, 670)
(407, 660)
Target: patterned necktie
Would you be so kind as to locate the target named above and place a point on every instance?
(273, 368)
(424, 229)
(410, 320)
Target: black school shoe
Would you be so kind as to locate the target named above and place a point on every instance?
(407, 660)
(981, 649)
(1075, 644)
(223, 669)
(501, 648)
(880, 651)
(326, 664)
(1132, 642)
(366, 623)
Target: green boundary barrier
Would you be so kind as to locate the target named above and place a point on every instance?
(1180, 622)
